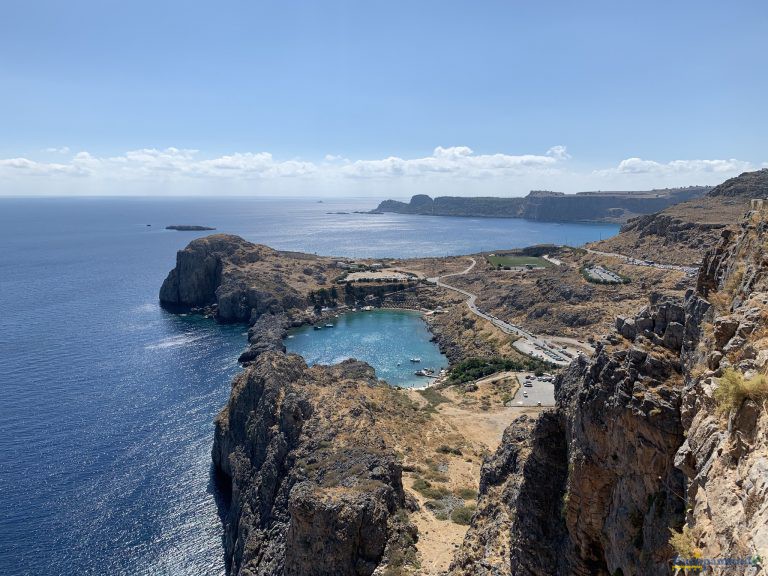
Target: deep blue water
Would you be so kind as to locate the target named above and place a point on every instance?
(386, 339)
(106, 401)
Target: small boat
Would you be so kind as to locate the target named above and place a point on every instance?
(415, 359)
(421, 373)
(318, 327)
(329, 325)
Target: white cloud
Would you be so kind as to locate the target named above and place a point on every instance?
(447, 170)
(640, 166)
(457, 161)
(62, 150)
(559, 152)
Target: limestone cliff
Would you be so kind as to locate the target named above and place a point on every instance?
(664, 440)
(549, 206)
(235, 279)
(315, 490)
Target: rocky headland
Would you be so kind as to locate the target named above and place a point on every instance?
(549, 206)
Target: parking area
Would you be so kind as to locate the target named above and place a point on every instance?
(533, 390)
(601, 274)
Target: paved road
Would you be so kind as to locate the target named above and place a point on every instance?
(638, 262)
(537, 346)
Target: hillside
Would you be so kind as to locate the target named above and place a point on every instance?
(655, 455)
(549, 206)
(681, 234)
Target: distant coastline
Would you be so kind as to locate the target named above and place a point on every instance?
(601, 207)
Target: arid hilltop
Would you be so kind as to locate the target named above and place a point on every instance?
(682, 233)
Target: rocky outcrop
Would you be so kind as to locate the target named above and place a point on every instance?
(266, 334)
(218, 272)
(746, 185)
(549, 206)
(622, 430)
(529, 467)
(666, 232)
(725, 453)
(651, 447)
(314, 489)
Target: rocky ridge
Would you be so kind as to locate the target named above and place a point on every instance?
(648, 447)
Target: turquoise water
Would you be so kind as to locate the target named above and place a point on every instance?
(383, 338)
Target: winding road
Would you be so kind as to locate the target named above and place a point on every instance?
(638, 262)
(538, 347)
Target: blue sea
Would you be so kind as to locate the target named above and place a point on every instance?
(107, 401)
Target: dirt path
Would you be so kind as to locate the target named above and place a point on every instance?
(475, 423)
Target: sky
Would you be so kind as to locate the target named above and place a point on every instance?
(378, 98)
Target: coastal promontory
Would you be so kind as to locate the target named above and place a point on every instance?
(549, 206)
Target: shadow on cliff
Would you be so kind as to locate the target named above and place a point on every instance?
(220, 488)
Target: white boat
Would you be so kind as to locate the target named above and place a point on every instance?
(329, 325)
(415, 359)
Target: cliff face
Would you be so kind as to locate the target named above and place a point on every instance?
(233, 278)
(315, 490)
(553, 207)
(650, 445)
(725, 453)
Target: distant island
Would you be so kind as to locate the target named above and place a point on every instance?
(549, 206)
(188, 228)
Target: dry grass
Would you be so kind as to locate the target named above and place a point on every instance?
(684, 543)
(733, 389)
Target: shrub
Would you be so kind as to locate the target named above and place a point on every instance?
(427, 490)
(432, 396)
(462, 514)
(733, 389)
(466, 493)
(476, 368)
(683, 543)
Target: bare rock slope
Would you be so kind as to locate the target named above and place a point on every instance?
(315, 490)
(663, 435)
(682, 233)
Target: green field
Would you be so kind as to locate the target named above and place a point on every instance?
(512, 260)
